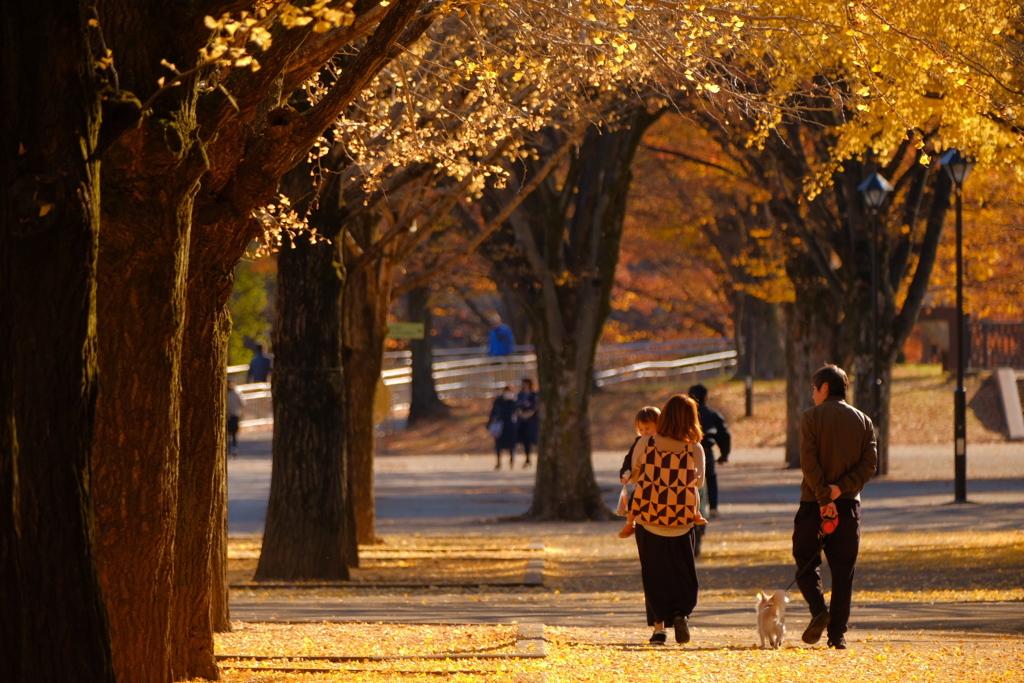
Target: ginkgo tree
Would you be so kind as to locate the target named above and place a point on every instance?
(409, 147)
(444, 109)
(694, 258)
(188, 110)
(192, 138)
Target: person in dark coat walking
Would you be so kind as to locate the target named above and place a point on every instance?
(838, 456)
(260, 366)
(527, 419)
(502, 425)
(716, 433)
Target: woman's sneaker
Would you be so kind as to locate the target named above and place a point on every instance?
(682, 629)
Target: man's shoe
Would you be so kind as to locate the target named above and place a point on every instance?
(658, 638)
(682, 629)
(837, 644)
(722, 461)
(713, 514)
(819, 622)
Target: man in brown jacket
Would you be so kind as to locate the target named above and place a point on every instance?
(837, 456)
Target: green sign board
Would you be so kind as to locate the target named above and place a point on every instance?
(405, 330)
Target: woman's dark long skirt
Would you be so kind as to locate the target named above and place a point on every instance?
(669, 573)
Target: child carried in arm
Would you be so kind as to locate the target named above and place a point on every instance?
(646, 423)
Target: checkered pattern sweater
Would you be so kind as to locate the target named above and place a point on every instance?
(667, 478)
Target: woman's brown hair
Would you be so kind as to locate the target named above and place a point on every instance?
(679, 420)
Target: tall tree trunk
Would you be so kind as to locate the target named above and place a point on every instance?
(365, 321)
(518, 319)
(214, 445)
(566, 487)
(767, 340)
(424, 404)
(863, 398)
(812, 333)
(53, 621)
(930, 197)
(151, 169)
(567, 236)
(220, 613)
(306, 529)
(141, 316)
(200, 543)
(201, 590)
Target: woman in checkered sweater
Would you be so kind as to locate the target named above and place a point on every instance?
(668, 470)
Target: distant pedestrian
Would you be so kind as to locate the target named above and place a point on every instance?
(260, 366)
(527, 419)
(500, 341)
(838, 456)
(716, 433)
(502, 425)
(235, 404)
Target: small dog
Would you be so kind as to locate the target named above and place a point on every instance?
(771, 618)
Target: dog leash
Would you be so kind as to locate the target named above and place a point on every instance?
(828, 525)
(821, 546)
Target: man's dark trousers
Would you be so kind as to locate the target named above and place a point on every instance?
(841, 548)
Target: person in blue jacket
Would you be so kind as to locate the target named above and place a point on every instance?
(260, 366)
(500, 342)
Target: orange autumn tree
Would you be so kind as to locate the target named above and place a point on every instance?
(520, 73)
(192, 138)
(994, 247)
(897, 76)
(696, 260)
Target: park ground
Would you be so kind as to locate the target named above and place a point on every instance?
(940, 588)
(921, 413)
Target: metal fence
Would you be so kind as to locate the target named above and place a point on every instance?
(258, 410)
(996, 345)
(712, 362)
(607, 356)
(466, 378)
(471, 374)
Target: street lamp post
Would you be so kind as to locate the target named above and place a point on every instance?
(748, 311)
(874, 189)
(959, 167)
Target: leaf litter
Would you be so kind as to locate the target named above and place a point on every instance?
(930, 567)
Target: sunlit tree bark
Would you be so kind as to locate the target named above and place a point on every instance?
(53, 620)
(558, 253)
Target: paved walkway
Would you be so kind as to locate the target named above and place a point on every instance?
(464, 495)
(417, 493)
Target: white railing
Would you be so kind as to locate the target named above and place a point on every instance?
(608, 355)
(468, 376)
(258, 411)
(667, 368)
